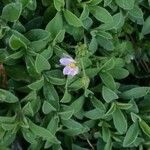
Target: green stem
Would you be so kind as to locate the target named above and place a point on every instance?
(67, 4)
(67, 81)
(66, 86)
(82, 64)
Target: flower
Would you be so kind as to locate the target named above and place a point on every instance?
(70, 66)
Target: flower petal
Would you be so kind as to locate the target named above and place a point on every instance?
(70, 71)
(74, 71)
(66, 61)
(67, 70)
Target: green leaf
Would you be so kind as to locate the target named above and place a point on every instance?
(77, 104)
(124, 106)
(18, 76)
(94, 114)
(106, 134)
(32, 5)
(53, 125)
(135, 117)
(104, 35)
(105, 43)
(145, 127)
(66, 98)
(51, 95)
(111, 110)
(21, 37)
(93, 45)
(108, 80)
(50, 92)
(7, 119)
(55, 77)
(125, 4)
(7, 139)
(37, 85)
(59, 4)
(74, 128)
(30, 64)
(120, 121)
(101, 14)
(24, 123)
(77, 147)
(41, 63)
(24, 2)
(76, 131)
(46, 2)
(98, 104)
(32, 95)
(107, 2)
(85, 13)
(108, 94)
(36, 104)
(95, 2)
(27, 109)
(47, 108)
(16, 55)
(47, 53)
(108, 65)
(8, 97)
(39, 38)
(108, 145)
(118, 20)
(8, 127)
(16, 43)
(136, 92)
(29, 136)
(72, 19)
(12, 11)
(87, 23)
(66, 115)
(92, 72)
(55, 25)
(146, 26)
(119, 73)
(131, 135)
(136, 13)
(134, 107)
(71, 124)
(77, 84)
(59, 37)
(42, 132)
(38, 35)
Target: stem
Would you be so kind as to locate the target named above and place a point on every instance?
(90, 144)
(82, 64)
(67, 81)
(66, 86)
(67, 4)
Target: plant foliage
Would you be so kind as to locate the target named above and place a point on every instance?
(106, 105)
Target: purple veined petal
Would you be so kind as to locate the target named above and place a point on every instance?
(74, 71)
(66, 61)
(70, 71)
(67, 70)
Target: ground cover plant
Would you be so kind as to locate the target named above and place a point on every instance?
(74, 74)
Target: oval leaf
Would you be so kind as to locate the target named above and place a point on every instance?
(120, 121)
(6, 96)
(72, 19)
(131, 135)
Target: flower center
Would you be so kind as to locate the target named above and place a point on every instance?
(72, 65)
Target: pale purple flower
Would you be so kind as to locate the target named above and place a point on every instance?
(70, 66)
